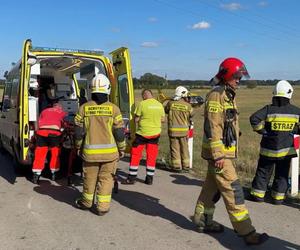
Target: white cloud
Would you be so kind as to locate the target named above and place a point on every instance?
(262, 4)
(149, 44)
(152, 19)
(200, 26)
(232, 6)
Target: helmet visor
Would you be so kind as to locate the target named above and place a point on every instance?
(242, 72)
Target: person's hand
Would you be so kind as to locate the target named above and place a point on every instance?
(219, 164)
(121, 154)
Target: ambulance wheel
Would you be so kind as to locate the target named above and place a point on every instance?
(20, 169)
(70, 181)
(2, 150)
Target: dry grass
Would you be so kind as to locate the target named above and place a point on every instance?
(248, 100)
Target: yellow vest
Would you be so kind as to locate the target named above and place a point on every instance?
(150, 112)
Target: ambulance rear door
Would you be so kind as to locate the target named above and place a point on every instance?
(123, 93)
(23, 102)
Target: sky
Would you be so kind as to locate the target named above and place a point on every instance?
(173, 38)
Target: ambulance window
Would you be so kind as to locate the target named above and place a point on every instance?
(123, 94)
(6, 95)
(14, 92)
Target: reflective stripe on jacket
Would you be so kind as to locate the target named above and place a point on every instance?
(179, 115)
(98, 122)
(218, 102)
(277, 124)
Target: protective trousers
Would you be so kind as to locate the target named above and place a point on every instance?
(180, 158)
(98, 176)
(263, 174)
(138, 146)
(47, 139)
(224, 183)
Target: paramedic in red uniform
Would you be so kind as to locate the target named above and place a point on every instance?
(48, 137)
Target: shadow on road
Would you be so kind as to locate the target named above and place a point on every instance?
(230, 240)
(7, 170)
(185, 180)
(149, 205)
(62, 193)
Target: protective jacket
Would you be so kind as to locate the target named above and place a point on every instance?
(52, 118)
(179, 115)
(99, 131)
(277, 122)
(221, 129)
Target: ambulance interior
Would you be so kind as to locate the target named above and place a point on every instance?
(55, 78)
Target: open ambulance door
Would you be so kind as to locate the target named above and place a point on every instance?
(123, 91)
(23, 143)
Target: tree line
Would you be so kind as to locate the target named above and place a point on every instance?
(150, 80)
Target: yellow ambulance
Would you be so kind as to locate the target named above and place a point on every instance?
(62, 69)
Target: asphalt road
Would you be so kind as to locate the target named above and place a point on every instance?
(141, 216)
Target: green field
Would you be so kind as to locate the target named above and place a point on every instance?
(248, 101)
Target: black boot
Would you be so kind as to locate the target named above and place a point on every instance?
(53, 177)
(80, 205)
(149, 180)
(130, 180)
(255, 238)
(94, 210)
(36, 179)
(277, 202)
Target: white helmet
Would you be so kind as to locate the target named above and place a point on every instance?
(180, 92)
(100, 84)
(284, 89)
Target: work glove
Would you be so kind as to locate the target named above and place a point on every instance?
(121, 154)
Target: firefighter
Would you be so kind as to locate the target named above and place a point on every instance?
(48, 136)
(149, 115)
(179, 113)
(219, 148)
(100, 137)
(277, 123)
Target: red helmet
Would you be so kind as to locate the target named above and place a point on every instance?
(232, 68)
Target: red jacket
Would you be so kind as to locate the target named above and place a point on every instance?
(52, 117)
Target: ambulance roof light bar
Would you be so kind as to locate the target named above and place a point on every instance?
(45, 49)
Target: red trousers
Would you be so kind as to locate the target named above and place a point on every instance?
(47, 139)
(138, 146)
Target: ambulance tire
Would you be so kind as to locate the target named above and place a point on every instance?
(20, 169)
(2, 150)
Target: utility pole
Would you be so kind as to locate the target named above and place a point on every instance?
(166, 81)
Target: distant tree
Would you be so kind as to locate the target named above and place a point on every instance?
(251, 84)
(152, 81)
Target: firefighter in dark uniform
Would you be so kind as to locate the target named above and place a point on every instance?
(277, 123)
(219, 148)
